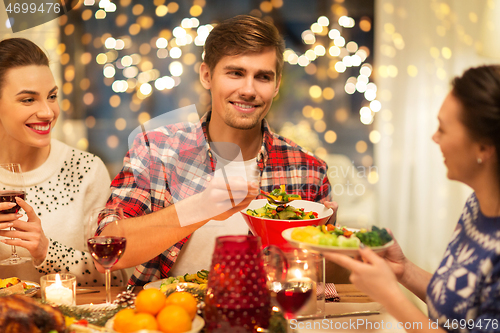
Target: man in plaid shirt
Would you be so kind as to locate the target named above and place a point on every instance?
(167, 185)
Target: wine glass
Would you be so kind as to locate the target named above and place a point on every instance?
(293, 283)
(106, 250)
(11, 178)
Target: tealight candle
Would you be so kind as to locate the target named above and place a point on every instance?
(310, 307)
(58, 289)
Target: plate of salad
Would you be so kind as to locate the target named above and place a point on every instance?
(330, 238)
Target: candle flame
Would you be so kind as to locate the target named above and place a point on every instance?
(298, 273)
(58, 280)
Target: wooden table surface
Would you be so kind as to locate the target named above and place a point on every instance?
(347, 293)
(97, 298)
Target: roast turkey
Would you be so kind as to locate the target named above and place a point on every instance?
(21, 314)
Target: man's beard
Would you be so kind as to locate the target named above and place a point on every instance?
(242, 122)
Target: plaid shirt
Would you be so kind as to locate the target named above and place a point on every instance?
(144, 185)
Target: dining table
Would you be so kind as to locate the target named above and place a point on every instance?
(348, 293)
(355, 312)
(96, 295)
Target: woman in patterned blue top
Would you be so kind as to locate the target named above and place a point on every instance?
(464, 293)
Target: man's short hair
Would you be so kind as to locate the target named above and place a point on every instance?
(243, 34)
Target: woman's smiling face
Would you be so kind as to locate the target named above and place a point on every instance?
(459, 150)
(28, 105)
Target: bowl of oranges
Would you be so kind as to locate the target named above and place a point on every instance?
(156, 313)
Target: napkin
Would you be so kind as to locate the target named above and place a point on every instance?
(331, 294)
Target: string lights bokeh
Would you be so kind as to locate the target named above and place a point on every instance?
(148, 52)
(345, 54)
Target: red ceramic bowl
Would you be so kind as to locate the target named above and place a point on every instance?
(269, 230)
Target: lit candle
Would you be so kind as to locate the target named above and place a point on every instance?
(310, 306)
(59, 294)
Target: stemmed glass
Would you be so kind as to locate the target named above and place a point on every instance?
(11, 177)
(106, 250)
(292, 282)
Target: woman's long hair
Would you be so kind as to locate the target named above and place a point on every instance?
(478, 91)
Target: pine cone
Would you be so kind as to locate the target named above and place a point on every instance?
(125, 299)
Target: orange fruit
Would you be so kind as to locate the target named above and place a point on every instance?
(185, 300)
(145, 321)
(173, 319)
(123, 320)
(149, 301)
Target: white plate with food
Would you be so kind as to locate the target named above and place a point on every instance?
(179, 286)
(196, 281)
(349, 247)
(31, 288)
(16, 286)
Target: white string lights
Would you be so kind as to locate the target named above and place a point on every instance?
(324, 37)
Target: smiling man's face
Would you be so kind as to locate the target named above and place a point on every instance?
(242, 88)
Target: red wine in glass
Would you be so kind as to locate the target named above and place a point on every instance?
(11, 173)
(107, 250)
(293, 296)
(106, 245)
(10, 196)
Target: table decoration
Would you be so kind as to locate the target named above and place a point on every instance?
(58, 288)
(238, 299)
(95, 314)
(125, 299)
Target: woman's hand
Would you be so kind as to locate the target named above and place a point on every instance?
(26, 234)
(373, 275)
(396, 259)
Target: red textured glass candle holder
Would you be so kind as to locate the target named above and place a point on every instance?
(238, 299)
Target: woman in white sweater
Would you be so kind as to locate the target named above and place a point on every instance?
(63, 184)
